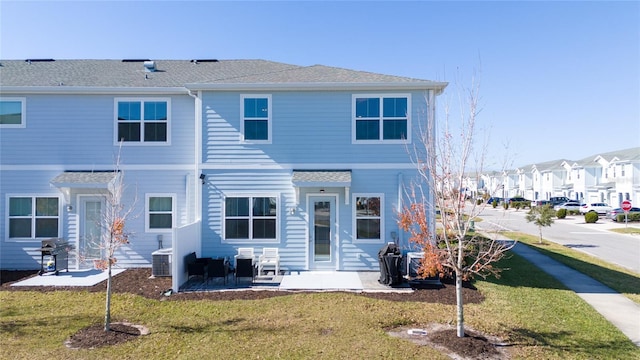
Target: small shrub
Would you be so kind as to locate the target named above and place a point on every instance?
(630, 217)
(561, 213)
(479, 202)
(591, 217)
(494, 204)
(505, 205)
(517, 205)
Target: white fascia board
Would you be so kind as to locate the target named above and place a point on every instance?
(92, 90)
(437, 86)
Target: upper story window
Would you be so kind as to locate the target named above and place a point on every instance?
(250, 218)
(255, 114)
(142, 121)
(160, 212)
(381, 118)
(12, 112)
(368, 217)
(32, 217)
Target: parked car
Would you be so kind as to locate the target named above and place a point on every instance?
(600, 208)
(492, 199)
(569, 206)
(557, 200)
(613, 213)
(541, 203)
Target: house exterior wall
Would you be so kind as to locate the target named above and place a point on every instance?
(311, 130)
(73, 132)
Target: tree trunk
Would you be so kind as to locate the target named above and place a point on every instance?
(460, 307)
(107, 310)
(459, 303)
(540, 241)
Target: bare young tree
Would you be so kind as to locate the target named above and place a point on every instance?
(113, 235)
(446, 158)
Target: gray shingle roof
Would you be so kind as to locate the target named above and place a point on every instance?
(178, 73)
(321, 178)
(84, 179)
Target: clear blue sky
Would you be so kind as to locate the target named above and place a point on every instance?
(558, 79)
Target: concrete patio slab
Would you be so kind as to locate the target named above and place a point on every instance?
(89, 277)
(320, 280)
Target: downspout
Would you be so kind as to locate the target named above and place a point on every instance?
(400, 239)
(196, 209)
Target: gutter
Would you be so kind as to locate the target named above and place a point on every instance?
(62, 89)
(438, 87)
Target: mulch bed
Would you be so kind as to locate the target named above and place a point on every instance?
(139, 282)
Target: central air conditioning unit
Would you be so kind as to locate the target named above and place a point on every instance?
(413, 264)
(161, 262)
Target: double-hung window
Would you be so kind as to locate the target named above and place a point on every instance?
(250, 218)
(160, 212)
(368, 217)
(32, 217)
(255, 114)
(12, 112)
(142, 121)
(381, 118)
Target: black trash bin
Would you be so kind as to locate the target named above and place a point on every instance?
(390, 265)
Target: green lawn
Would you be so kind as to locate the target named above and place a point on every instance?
(527, 308)
(616, 277)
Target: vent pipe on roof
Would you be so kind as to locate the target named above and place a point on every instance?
(150, 66)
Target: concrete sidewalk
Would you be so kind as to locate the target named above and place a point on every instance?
(617, 309)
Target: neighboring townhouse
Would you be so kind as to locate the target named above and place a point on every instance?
(311, 160)
(609, 177)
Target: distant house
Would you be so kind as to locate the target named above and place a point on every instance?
(219, 154)
(608, 177)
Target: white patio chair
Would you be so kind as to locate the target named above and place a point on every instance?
(270, 259)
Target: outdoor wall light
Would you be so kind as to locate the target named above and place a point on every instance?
(69, 208)
(203, 177)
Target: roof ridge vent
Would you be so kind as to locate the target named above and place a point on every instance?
(149, 66)
(196, 61)
(38, 60)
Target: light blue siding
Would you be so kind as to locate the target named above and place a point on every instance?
(293, 225)
(79, 129)
(308, 127)
(76, 132)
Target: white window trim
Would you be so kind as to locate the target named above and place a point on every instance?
(31, 239)
(381, 119)
(117, 142)
(23, 120)
(279, 215)
(269, 118)
(147, 213)
(355, 219)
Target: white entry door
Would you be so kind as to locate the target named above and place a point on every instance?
(90, 231)
(322, 233)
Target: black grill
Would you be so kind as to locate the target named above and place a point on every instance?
(390, 264)
(58, 249)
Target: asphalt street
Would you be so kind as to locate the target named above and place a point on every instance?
(594, 239)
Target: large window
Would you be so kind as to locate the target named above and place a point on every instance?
(381, 118)
(32, 217)
(368, 217)
(12, 112)
(160, 212)
(256, 118)
(250, 218)
(142, 121)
